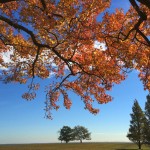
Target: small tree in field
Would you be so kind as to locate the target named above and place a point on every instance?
(65, 134)
(136, 130)
(147, 124)
(81, 133)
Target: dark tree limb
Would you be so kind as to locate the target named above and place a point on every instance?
(35, 60)
(17, 26)
(136, 7)
(143, 17)
(36, 43)
(43, 4)
(6, 1)
(145, 2)
(61, 83)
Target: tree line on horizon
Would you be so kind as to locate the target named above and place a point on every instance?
(68, 134)
(139, 130)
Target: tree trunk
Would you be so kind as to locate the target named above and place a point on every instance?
(80, 141)
(139, 145)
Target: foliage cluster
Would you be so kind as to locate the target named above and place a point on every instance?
(56, 37)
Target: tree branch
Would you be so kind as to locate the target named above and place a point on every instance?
(39, 45)
(17, 26)
(60, 84)
(6, 1)
(143, 17)
(43, 4)
(35, 60)
(145, 2)
(144, 37)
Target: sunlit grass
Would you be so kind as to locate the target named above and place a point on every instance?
(73, 146)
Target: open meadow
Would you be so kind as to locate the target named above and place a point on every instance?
(73, 146)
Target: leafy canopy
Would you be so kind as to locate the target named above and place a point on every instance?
(66, 134)
(81, 133)
(51, 38)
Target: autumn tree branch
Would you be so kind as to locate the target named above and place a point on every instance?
(17, 26)
(43, 4)
(143, 17)
(4, 39)
(39, 45)
(145, 2)
(35, 60)
(61, 83)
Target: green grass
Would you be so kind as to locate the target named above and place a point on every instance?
(74, 146)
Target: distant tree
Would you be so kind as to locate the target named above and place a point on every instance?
(65, 134)
(147, 124)
(136, 130)
(81, 133)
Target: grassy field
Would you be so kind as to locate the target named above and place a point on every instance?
(73, 146)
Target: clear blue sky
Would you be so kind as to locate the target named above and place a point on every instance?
(24, 122)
